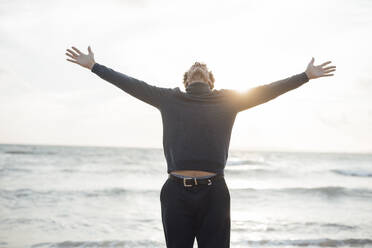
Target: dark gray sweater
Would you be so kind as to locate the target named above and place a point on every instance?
(197, 123)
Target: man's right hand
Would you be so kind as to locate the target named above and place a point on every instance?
(85, 60)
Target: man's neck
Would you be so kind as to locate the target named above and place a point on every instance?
(198, 81)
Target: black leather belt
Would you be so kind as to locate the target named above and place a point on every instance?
(193, 181)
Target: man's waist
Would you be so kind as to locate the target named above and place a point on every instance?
(193, 173)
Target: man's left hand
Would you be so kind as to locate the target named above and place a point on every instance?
(319, 70)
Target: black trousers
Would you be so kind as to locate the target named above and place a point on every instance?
(201, 212)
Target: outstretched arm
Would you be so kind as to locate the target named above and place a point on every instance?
(264, 93)
(150, 94)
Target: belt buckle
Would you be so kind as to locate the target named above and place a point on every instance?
(189, 185)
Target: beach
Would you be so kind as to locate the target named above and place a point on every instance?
(71, 196)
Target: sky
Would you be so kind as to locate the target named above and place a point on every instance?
(45, 99)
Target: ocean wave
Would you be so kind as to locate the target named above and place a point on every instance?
(12, 221)
(290, 226)
(254, 172)
(324, 242)
(331, 225)
(56, 195)
(97, 244)
(353, 173)
(13, 169)
(60, 194)
(93, 170)
(310, 242)
(20, 152)
(329, 192)
(298, 227)
(245, 162)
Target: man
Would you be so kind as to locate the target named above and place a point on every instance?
(197, 124)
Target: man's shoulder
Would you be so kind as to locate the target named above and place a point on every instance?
(226, 92)
(168, 90)
(175, 89)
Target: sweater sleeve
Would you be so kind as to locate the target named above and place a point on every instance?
(263, 93)
(141, 90)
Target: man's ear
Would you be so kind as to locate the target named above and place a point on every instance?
(211, 79)
(185, 79)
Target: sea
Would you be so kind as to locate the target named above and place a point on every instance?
(85, 196)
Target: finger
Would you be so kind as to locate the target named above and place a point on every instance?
(73, 53)
(70, 55)
(312, 60)
(329, 67)
(77, 50)
(89, 49)
(325, 63)
(331, 70)
(72, 61)
(325, 75)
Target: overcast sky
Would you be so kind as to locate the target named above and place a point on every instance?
(45, 99)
